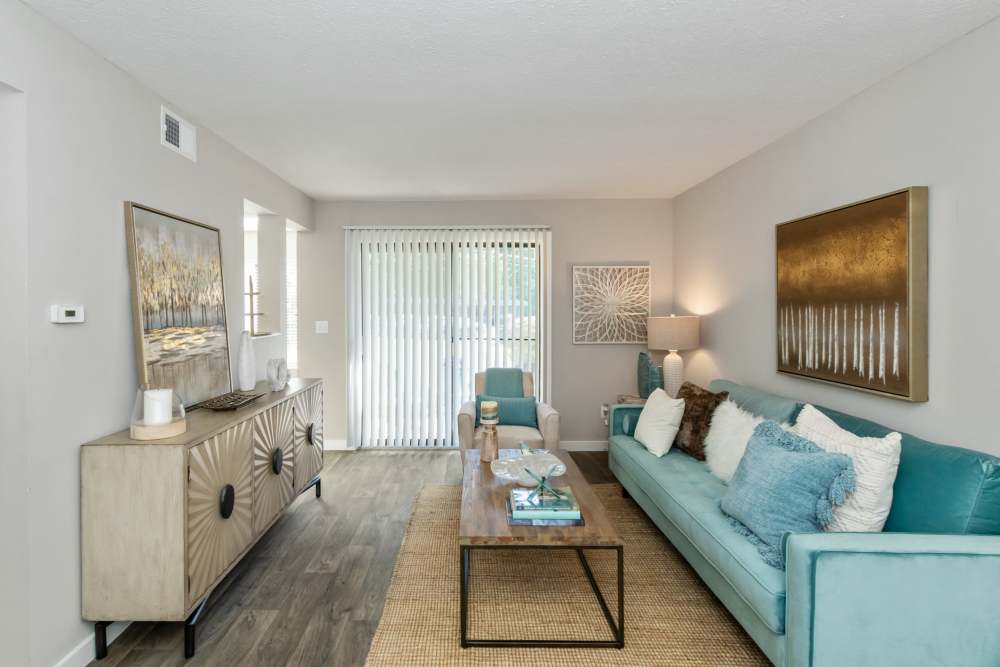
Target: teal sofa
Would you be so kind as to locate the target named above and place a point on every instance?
(924, 592)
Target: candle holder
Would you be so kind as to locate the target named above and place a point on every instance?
(490, 448)
(157, 414)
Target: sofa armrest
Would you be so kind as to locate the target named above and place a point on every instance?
(623, 418)
(467, 425)
(548, 425)
(892, 598)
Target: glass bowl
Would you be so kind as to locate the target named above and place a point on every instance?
(514, 469)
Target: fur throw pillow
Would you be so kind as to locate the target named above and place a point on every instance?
(699, 405)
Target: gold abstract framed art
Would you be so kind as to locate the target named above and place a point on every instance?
(852, 295)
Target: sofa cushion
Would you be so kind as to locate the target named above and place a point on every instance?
(688, 494)
(938, 488)
(769, 406)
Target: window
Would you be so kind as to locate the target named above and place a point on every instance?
(251, 282)
(427, 310)
(292, 298)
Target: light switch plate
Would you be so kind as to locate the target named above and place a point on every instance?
(66, 314)
(322, 327)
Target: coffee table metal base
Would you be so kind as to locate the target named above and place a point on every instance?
(617, 629)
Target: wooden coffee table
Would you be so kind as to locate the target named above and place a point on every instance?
(483, 525)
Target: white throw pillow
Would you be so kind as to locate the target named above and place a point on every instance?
(659, 422)
(727, 438)
(876, 461)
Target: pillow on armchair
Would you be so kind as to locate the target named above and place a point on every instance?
(511, 411)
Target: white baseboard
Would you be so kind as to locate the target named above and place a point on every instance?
(83, 654)
(584, 445)
(336, 446)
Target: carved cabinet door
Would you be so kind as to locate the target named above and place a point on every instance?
(308, 436)
(219, 506)
(273, 463)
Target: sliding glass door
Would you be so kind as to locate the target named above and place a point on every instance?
(429, 308)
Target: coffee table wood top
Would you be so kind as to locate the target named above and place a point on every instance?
(484, 511)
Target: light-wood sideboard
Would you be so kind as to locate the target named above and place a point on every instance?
(162, 522)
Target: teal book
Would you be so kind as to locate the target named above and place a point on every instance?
(528, 504)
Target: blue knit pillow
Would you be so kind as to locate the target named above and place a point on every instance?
(785, 484)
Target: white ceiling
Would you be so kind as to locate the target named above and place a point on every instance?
(509, 98)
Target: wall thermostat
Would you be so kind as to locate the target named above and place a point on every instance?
(63, 314)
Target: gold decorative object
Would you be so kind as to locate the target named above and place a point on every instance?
(490, 449)
(852, 295)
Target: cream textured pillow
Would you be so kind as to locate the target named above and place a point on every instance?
(659, 421)
(876, 461)
(727, 438)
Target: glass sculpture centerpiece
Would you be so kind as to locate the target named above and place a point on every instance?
(527, 469)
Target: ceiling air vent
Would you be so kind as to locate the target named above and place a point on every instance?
(178, 135)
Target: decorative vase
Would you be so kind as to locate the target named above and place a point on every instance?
(277, 373)
(246, 369)
(490, 448)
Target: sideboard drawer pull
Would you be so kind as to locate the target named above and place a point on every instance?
(227, 501)
(277, 460)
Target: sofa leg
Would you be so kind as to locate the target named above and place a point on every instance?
(625, 493)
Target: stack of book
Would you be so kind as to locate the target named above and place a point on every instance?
(527, 507)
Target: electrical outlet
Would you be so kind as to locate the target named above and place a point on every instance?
(322, 327)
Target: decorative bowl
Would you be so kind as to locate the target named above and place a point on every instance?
(515, 468)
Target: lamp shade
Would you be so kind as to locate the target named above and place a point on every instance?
(673, 333)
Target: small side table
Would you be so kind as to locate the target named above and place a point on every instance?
(623, 399)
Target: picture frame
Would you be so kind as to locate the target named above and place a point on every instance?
(851, 295)
(179, 315)
(611, 304)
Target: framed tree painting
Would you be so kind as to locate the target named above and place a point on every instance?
(178, 304)
(610, 304)
(852, 295)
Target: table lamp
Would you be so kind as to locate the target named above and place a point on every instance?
(672, 334)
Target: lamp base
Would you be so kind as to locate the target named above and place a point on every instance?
(673, 373)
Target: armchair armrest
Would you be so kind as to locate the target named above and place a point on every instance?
(548, 425)
(623, 418)
(892, 598)
(467, 425)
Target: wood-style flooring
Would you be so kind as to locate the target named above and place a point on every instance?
(311, 591)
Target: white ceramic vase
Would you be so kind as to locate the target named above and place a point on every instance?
(246, 369)
(277, 373)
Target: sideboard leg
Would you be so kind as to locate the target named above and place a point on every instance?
(625, 493)
(190, 626)
(315, 483)
(101, 639)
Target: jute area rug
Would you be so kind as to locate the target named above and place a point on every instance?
(671, 618)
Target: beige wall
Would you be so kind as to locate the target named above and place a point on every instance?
(934, 123)
(92, 142)
(583, 231)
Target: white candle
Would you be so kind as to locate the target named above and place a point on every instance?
(157, 406)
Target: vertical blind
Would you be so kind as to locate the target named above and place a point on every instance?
(429, 308)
